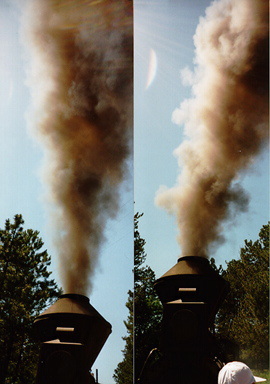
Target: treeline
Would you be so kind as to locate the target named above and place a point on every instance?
(25, 290)
(243, 318)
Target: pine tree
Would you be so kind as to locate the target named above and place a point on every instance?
(244, 317)
(148, 309)
(25, 290)
(145, 313)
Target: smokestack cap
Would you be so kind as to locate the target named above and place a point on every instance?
(195, 274)
(72, 303)
(72, 319)
(191, 265)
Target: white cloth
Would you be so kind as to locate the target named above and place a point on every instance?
(237, 373)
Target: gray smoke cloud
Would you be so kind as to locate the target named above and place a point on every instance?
(225, 122)
(80, 74)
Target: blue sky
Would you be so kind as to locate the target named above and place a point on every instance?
(165, 27)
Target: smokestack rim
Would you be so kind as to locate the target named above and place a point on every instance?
(201, 259)
(75, 296)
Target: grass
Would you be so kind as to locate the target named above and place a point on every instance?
(263, 373)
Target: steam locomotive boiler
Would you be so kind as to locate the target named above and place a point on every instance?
(72, 333)
(191, 293)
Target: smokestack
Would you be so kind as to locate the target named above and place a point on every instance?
(193, 279)
(225, 122)
(81, 81)
(72, 333)
(191, 293)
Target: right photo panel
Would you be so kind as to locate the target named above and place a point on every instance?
(201, 191)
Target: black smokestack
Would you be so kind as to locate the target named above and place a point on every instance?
(81, 79)
(226, 121)
(191, 293)
(72, 333)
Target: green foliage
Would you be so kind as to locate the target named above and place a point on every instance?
(25, 290)
(123, 374)
(244, 316)
(148, 309)
(145, 307)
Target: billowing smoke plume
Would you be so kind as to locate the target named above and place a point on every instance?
(226, 121)
(80, 75)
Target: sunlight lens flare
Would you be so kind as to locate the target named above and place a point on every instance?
(152, 68)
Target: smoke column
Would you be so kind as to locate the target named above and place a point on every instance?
(226, 121)
(81, 79)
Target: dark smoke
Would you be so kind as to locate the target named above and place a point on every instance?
(80, 75)
(226, 121)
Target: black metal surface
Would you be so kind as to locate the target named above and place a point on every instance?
(191, 293)
(193, 272)
(72, 333)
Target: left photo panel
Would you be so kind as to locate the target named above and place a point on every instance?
(66, 211)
